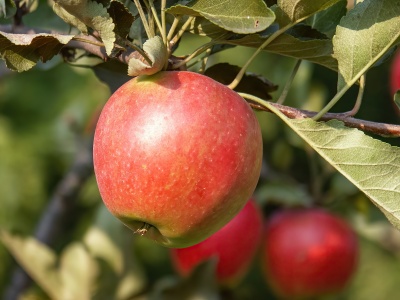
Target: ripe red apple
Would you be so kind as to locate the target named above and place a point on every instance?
(176, 156)
(308, 253)
(395, 73)
(234, 245)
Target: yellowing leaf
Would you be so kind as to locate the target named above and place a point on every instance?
(22, 51)
(156, 51)
(93, 15)
(38, 260)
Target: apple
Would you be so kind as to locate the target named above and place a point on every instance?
(395, 73)
(176, 156)
(234, 246)
(308, 253)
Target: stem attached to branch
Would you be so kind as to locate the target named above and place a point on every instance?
(146, 26)
(197, 52)
(382, 129)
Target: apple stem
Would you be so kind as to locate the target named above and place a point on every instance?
(146, 26)
(143, 229)
(158, 22)
(175, 24)
(204, 61)
(289, 82)
(339, 95)
(181, 31)
(357, 105)
(197, 52)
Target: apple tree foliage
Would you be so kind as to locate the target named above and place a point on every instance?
(120, 39)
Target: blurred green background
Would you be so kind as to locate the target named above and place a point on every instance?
(46, 112)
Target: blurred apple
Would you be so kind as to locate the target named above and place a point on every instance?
(308, 253)
(234, 247)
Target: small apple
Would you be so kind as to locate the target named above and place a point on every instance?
(308, 253)
(176, 156)
(234, 246)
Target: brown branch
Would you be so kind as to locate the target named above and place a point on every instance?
(62, 207)
(382, 129)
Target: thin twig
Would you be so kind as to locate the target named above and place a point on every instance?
(288, 84)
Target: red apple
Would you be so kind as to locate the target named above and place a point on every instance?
(176, 156)
(395, 73)
(308, 253)
(234, 245)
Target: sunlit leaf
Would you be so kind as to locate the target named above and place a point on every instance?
(297, 10)
(371, 165)
(237, 16)
(38, 260)
(22, 51)
(78, 271)
(201, 284)
(156, 51)
(7, 8)
(92, 14)
(363, 36)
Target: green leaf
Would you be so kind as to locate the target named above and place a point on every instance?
(315, 50)
(201, 284)
(371, 165)
(7, 8)
(121, 274)
(237, 16)
(69, 18)
(156, 51)
(91, 14)
(38, 261)
(77, 272)
(112, 73)
(298, 10)
(326, 21)
(122, 18)
(22, 51)
(363, 36)
(202, 26)
(282, 193)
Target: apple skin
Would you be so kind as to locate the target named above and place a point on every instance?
(308, 253)
(176, 156)
(234, 245)
(395, 73)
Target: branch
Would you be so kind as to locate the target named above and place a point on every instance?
(382, 129)
(63, 204)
